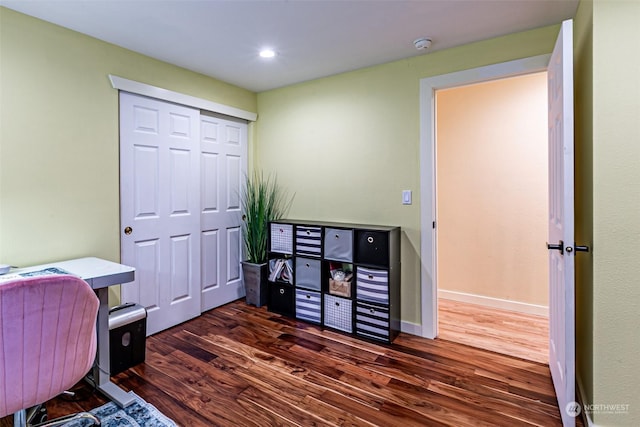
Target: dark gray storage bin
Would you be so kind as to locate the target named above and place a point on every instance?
(282, 299)
(127, 336)
(372, 247)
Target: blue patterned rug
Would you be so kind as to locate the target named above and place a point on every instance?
(138, 414)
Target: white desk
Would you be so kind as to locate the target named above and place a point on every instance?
(100, 274)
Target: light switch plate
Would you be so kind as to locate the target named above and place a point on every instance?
(406, 197)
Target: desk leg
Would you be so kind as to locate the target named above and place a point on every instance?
(101, 374)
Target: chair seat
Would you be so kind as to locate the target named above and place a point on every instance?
(47, 339)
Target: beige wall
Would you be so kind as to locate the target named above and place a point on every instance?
(492, 195)
(348, 145)
(59, 160)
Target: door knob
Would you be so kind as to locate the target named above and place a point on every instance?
(558, 247)
(128, 230)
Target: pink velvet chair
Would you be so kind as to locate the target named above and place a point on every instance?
(47, 341)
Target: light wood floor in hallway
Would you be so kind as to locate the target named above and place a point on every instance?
(506, 332)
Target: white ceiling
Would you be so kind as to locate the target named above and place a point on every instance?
(313, 38)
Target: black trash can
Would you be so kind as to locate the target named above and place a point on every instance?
(127, 336)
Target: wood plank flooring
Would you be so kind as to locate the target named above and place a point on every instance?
(507, 332)
(239, 365)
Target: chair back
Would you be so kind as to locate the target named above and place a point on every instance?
(47, 338)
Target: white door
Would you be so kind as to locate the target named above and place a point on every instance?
(561, 227)
(223, 168)
(160, 205)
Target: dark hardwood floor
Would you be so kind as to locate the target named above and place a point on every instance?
(239, 365)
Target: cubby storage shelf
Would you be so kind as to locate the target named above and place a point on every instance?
(346, 277)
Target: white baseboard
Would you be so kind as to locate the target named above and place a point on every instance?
(586, 417)
(411, 328)
(521, 307)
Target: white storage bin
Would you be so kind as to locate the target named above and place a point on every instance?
(281, 238)
(338, 312)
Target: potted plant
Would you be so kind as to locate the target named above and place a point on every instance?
(263, 200)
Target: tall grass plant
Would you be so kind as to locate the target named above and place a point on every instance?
(263, 201)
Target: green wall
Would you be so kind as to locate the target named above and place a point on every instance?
(59, 159)
(348, 145)
(607, 111)
(583, 89)
(616, 209)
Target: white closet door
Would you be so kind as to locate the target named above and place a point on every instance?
(160, 205)
(223, 168)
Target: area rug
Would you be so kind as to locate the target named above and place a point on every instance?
(138, 414)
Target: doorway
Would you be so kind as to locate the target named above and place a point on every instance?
(428, 88)
(491, 210)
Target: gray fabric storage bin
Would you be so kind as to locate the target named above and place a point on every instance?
(338, 244)
(308, 273)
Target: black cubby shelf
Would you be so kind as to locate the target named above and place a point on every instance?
(341, 276)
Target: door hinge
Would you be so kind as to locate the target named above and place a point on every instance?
(434, 225)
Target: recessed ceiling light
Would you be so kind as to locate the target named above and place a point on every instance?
(267, 53)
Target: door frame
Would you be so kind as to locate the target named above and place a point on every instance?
(138, 88)
(428, 245)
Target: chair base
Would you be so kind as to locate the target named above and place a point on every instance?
(37, 417)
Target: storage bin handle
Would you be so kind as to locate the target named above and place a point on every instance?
(281, 291)
(370, 239)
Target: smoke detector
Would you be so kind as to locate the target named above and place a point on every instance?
(422, 43)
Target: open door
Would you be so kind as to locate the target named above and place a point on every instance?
(561, 225)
